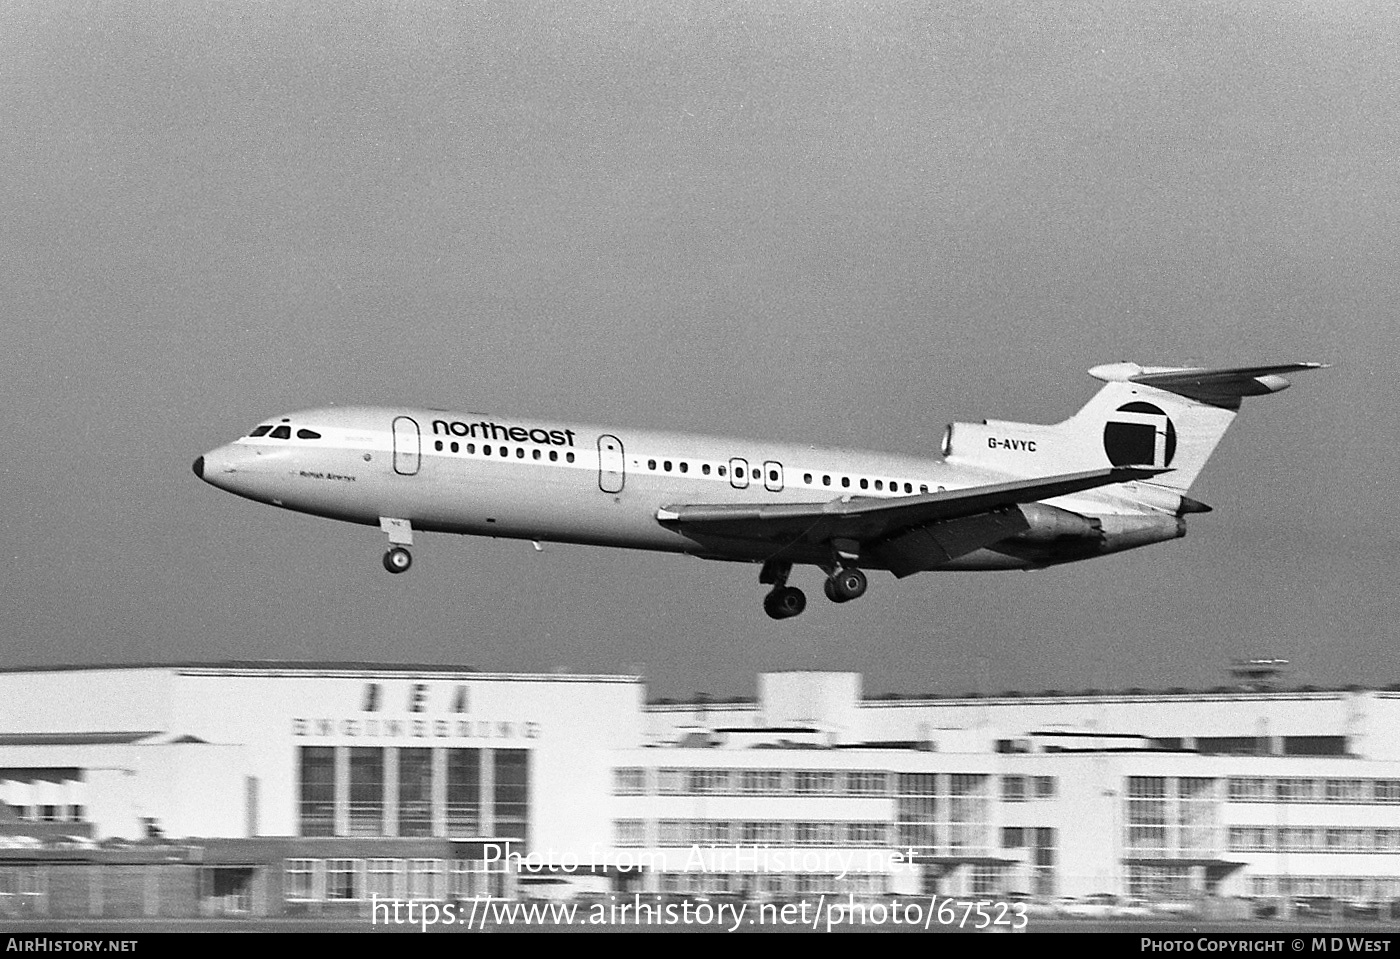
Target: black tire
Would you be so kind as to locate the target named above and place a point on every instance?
(829, 587)
(849, 584)
(784, 602)
(398, 560)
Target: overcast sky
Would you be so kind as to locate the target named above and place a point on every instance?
(843, 223)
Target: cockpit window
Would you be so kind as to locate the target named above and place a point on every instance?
(283, 432)
(308, 435)
(261, 430)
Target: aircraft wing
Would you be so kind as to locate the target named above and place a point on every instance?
(908, 533)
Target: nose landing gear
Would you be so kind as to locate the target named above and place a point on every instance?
(397, 559)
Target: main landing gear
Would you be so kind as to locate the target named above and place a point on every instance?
(397, 559)
(783, 601)
(843, 584)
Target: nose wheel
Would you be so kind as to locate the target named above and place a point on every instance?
(398, 560)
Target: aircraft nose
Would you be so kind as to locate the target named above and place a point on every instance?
(199, 467)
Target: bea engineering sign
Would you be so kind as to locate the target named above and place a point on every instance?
(413, 712)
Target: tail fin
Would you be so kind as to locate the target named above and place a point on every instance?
(1167, 417)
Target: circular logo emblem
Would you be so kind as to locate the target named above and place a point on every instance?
(1131, 436)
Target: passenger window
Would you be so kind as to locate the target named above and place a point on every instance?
(261, 431)
(757, 474)
(520, 452)
(308, 435)
(282, 432)
(865, 484)
(879, 485)
(807, 478)
(651, 464)
(666, 466)
(705, 468)
(553, 456)
(719, 470)
(486, 451)
(908, 487)
(438, 446)
(684, 466)
(569, 457)
(923, 487)
(826, 480)
(536, 454)
(505, 451)
(845, 481)
(772, 476)
(471, 447)
(455, 447)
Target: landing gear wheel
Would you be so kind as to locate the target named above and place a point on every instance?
(847, 584)
(829, 587)
(398, 560)
(784, 602)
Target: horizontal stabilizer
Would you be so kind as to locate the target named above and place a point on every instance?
(1223, 387)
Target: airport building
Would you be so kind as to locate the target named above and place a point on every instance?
(279, 788)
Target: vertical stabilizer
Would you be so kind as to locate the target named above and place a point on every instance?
(1165, 417)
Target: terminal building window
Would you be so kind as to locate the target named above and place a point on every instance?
(464, 792)
(1159, 881)
(814, 783)
(916, 810)
(301, 878)
(866, 783)
(343, 881)
(425, 879)
(968, 807)
(366, 791)
(385, 879)
(1147, 816)
(1196, 807)
(512, 793)
(631, 832)
(415, 792)
(1043, 862)
(630, 781)
(317, 806)
(759, 782)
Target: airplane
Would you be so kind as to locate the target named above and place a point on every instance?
(1003, 495)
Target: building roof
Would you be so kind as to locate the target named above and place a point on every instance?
(265, 667)
(75, 739)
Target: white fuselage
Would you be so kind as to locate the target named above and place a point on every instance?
(479, 474)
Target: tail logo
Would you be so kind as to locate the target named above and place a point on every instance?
(1139, 434)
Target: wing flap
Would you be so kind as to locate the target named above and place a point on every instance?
(929, 547)
(869, 520)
